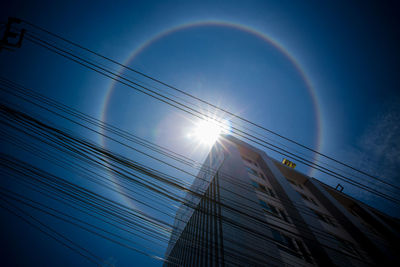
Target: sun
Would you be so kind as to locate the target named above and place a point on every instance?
(207, 131)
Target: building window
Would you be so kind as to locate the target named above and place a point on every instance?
(273, 210)
(294, 183)
(263, 204)
(346, 245)
(289, 245)
(255, 184)
(323, 217)
(255, 173)
(247, 160)
(251, 171)
(284, 216)
(271, 193)
(269, 208)
(319, 215)
(263, 188)
(328, 220)
(277, 212)
(313, 201)
(307, 198)
(304, 251)
(354, 213)
(250, 161)
(303, 196)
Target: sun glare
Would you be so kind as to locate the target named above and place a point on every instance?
(208, 131)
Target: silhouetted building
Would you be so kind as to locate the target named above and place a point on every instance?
(251, 210)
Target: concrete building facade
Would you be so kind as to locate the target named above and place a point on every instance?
(247, 209)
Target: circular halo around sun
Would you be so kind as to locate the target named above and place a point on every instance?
(201, 139)
(231, 25)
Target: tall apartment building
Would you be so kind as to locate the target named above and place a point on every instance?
(247, 209)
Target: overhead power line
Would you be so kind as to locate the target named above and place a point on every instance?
(194, 112)
(154, 186)
(129, 136)
(206, 102)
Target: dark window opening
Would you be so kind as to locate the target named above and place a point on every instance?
(284, 216)
(346, 245)
(251, 171)
(272, 194)
(285, 243)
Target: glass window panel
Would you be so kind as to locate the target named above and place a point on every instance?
(284, 217)
(251, 171)
(254, 183)
(272, 194)
(273, 210)
(277, 235)
(264, 205)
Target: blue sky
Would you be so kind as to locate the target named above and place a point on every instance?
(346, 54)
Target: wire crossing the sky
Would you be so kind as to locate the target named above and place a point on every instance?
(233, 115)
(154, 192)
(201, 115)
(81, 192)
(173, 156)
